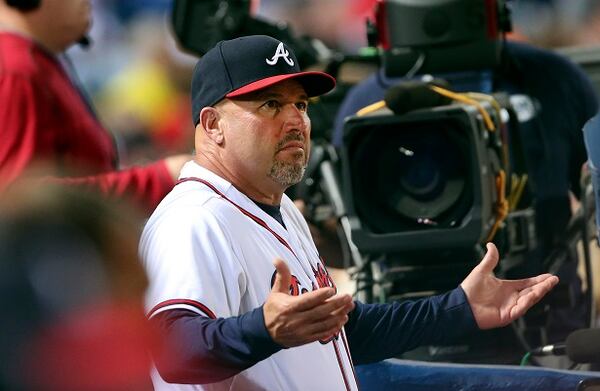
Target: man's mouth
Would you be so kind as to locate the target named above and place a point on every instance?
(292, 145)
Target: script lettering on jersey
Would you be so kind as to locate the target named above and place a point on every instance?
(323, 279)
(296, 288)
(280, 53)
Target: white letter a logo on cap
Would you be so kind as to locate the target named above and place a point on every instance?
(280, 53)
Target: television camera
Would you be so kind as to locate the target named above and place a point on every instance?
(419, 184)
(424, 181)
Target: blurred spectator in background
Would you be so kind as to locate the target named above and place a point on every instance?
(71, 289)
(45, 116)
(127, 10)
(555, 23)
(146, 101)
(334, 22)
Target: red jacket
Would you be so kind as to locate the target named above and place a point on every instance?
(43, 118)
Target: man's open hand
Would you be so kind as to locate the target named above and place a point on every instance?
(496, 302)
(298, 320)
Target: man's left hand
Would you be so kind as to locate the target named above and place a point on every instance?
(496, 302)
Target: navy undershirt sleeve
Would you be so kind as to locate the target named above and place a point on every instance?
(200, 350)
(195, 349)
(379, 331)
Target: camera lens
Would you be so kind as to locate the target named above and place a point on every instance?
(412, 176)
(422, 175)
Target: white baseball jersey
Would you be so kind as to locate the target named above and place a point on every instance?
(208, 248)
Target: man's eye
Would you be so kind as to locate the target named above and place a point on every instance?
(302, 106)
(271, 104)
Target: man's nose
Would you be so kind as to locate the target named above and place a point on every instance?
(296, 117)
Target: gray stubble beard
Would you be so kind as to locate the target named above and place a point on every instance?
(286, 174)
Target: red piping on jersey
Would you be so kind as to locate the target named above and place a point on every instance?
(256, 219)
(189, 302)
(345, 341)
(340, 363)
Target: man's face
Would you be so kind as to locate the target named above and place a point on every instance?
(66, 20)
(267, 133)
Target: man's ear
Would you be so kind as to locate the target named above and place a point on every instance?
(209, 120)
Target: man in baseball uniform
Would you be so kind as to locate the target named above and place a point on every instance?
(237, 286)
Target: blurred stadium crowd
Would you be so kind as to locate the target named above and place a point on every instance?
(138, 78)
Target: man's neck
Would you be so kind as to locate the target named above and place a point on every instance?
(266, 192)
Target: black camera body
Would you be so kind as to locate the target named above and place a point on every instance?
(420, 189)
(200, 24)
(423, 179)
(421, 197)
(431, 36)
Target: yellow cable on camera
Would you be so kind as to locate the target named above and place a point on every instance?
(502, 206)
(371, 108)
(465, 99)
(488, 98)
(494, 103)
(519, 182)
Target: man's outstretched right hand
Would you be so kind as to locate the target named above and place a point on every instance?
(298, 320)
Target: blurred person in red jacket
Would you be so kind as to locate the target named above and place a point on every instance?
(71, 291)
(44, 116)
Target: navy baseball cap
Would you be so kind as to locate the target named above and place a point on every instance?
(246, 64)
